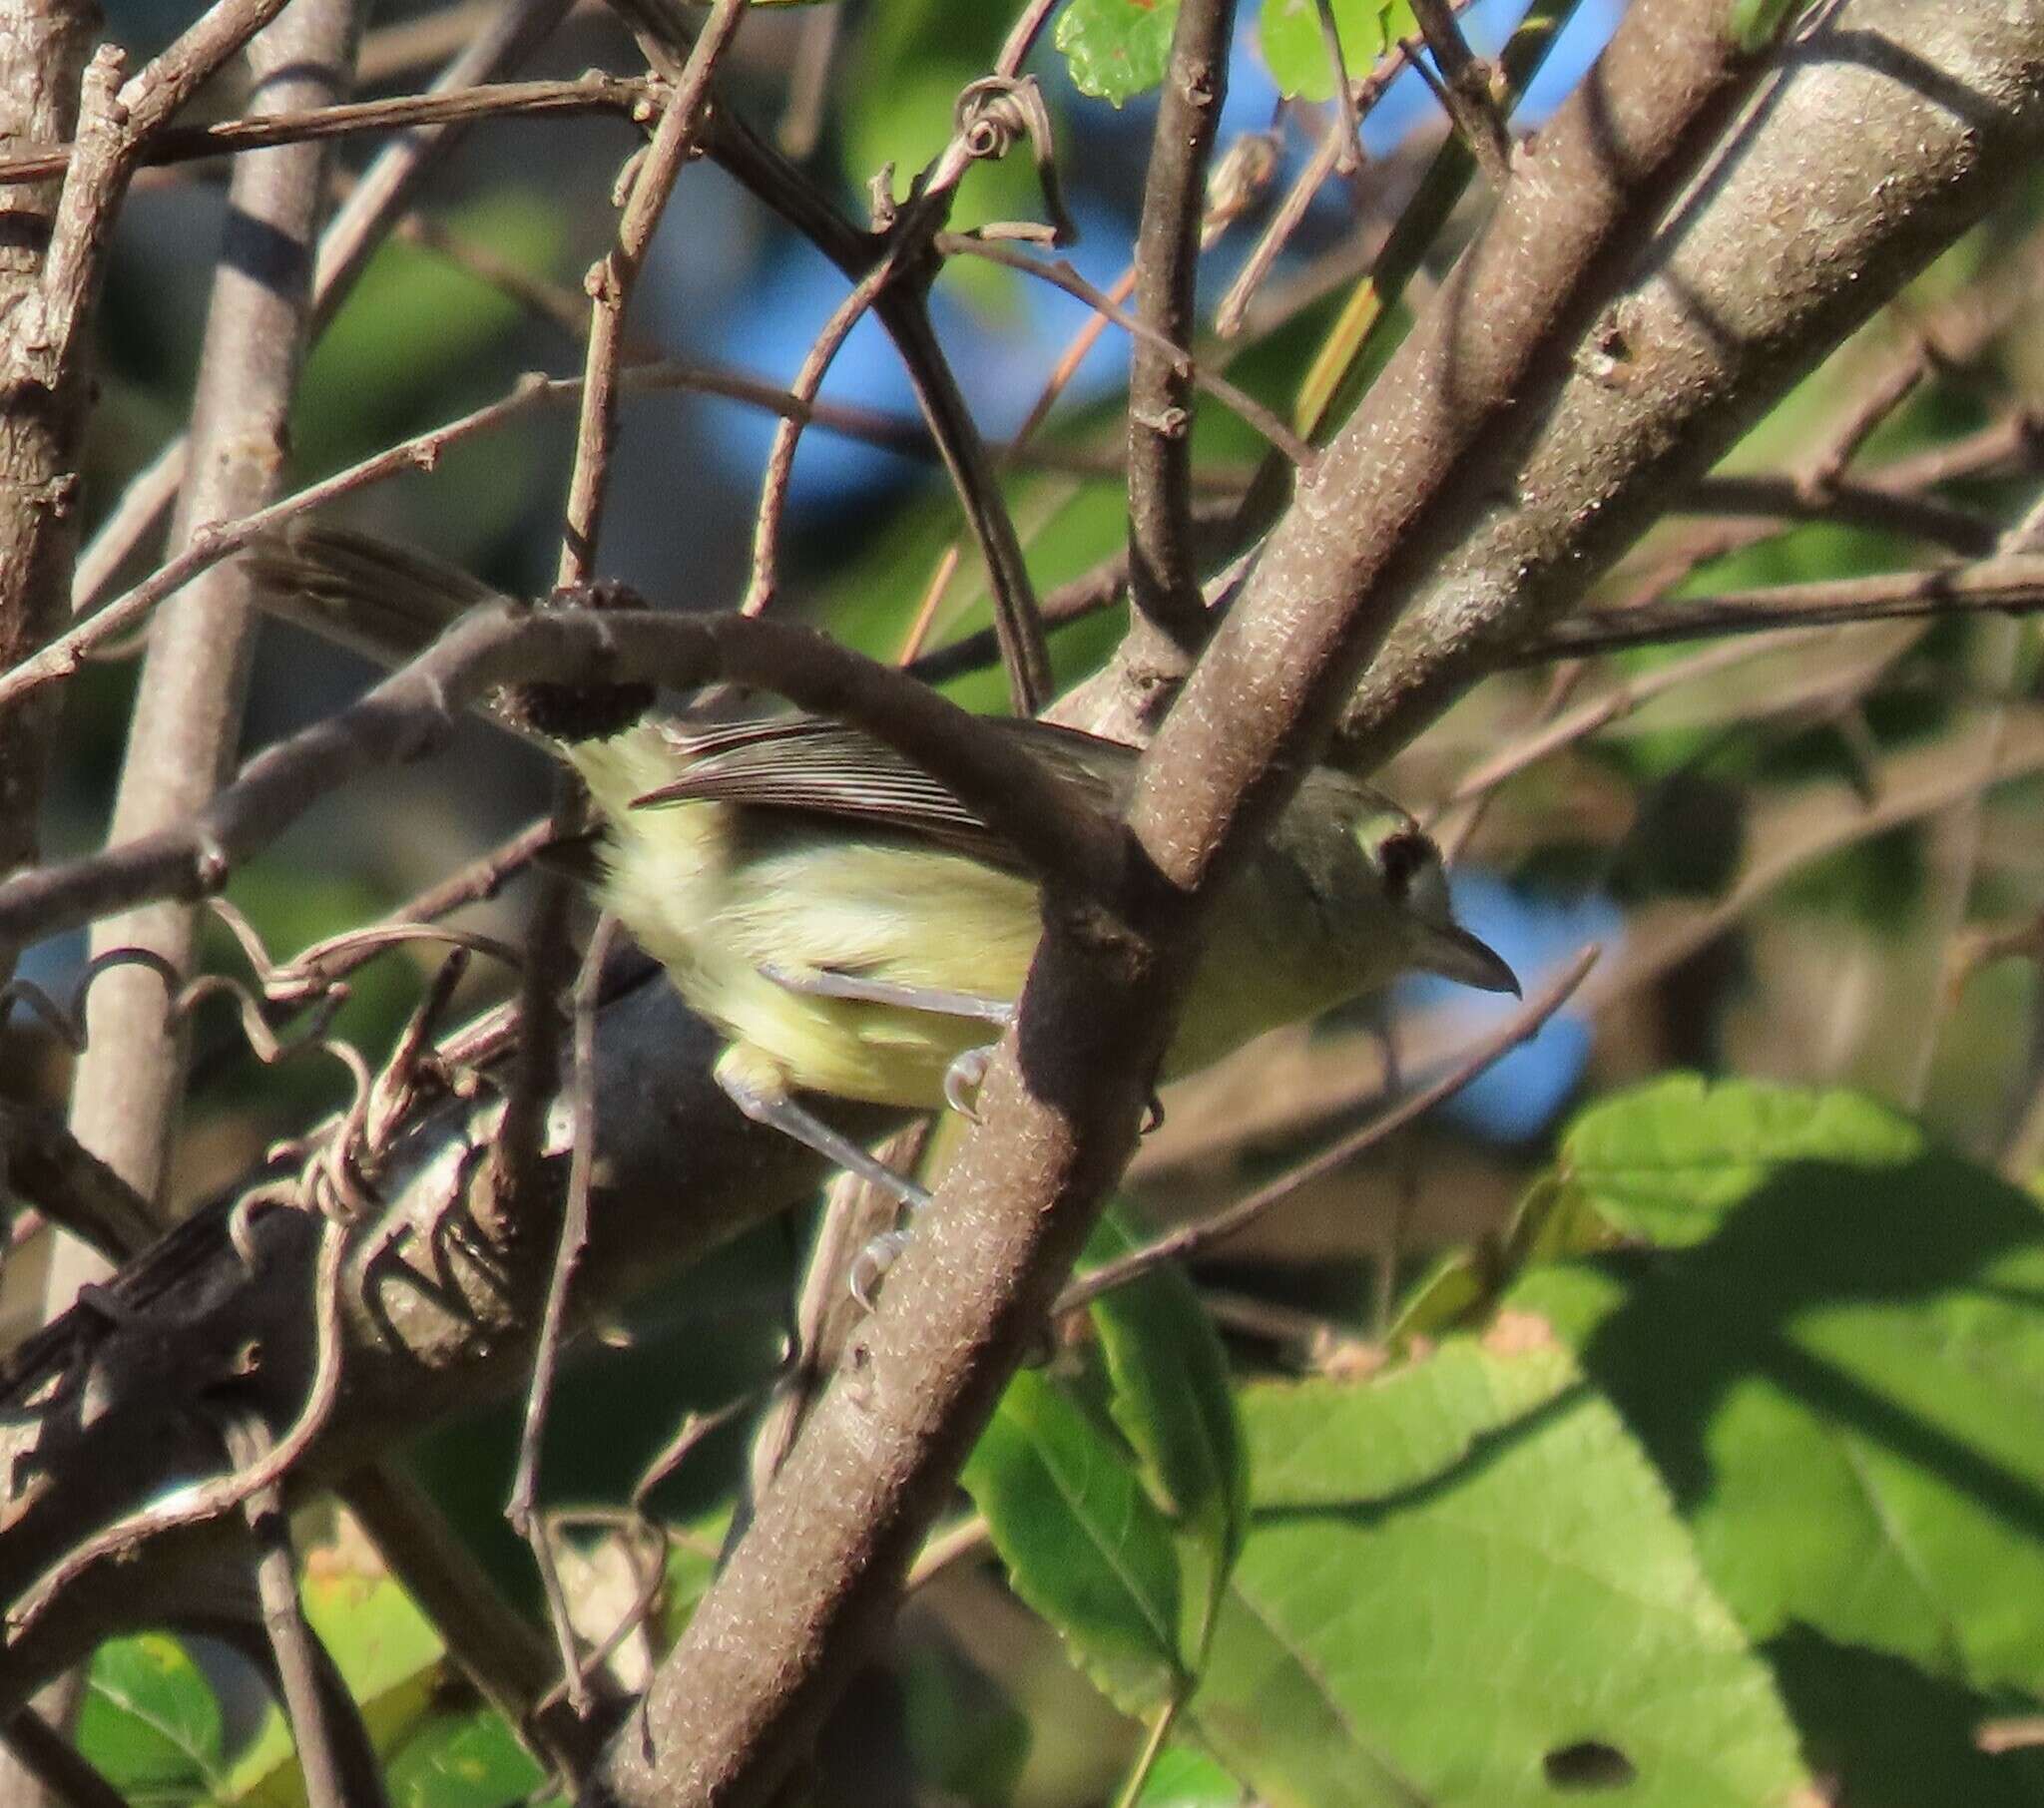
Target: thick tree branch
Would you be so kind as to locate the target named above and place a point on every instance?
(440, 1306)
(1384, 503)
(186, 721)
(1045, 820)
(813, 1582)
(972, 1281)
(1889, 130)
(357, 228)
(43, 50)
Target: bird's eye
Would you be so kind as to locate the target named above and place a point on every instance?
(1401, 857)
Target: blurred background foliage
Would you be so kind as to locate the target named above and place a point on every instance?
(1743, 847)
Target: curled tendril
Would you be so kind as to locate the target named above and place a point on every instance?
(194, 1503)
(328, 1180)
(995, 111)
(66, 1022)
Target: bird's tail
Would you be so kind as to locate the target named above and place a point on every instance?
(384, 601)
(389, 603)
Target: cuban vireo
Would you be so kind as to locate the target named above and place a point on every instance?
(854, 929)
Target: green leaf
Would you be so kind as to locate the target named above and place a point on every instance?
(150, 1722)
(1083, 1544)
(389, 1655)
(1422, 1422)
(1295, 44)
(1464, 1586)
(692, 1568)
(1836, 1361)
(1184, 1778)
(1170, 1397)
(1117, 48)
(1669, 1161)
(1459, 1287)
(470, 1760)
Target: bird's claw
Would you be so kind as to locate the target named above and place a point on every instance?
(869, 1267)
(962, 1081)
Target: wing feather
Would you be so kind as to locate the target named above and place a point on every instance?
(813, 765)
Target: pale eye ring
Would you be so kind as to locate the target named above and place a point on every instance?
(1401, 857)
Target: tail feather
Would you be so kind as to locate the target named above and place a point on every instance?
(384, 601)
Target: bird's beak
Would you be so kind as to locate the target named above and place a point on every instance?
(1453, 953)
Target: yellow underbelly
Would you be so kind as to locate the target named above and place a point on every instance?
(899, 915)
(715, 910)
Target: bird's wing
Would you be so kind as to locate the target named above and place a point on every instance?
(812, 765)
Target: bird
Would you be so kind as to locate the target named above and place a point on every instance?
(851, 928)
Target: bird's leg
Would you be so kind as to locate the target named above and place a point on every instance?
(764, 1097)
(768, 1101)
(821, 982)
(763, 1094)
(962, 1076)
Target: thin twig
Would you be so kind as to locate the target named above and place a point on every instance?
(1237, 178)
(543, 974)
(483, 877)
(626, 96)
(2010, 584)
(57, 1765)
(1052, 829)
(495, 1644)
(1085, 595)
(1881, 508)
(1348, 121)
(991, 115)
(825, 1312)
(1060, 275)
(1329, 389)
(611, 282)
(626, 1523)
(72, 1186)
(1520, 1027)
(1785, 835)
(522, 1507)
(357, 227)
(336, 1757)
(687, 1440)
(773, 482)
(953, 1544)
(1466, 92)
(1957, 841)
(902, 312)
(1631, 693)
(1164, 582)
(1324, 161)
(62, 656)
